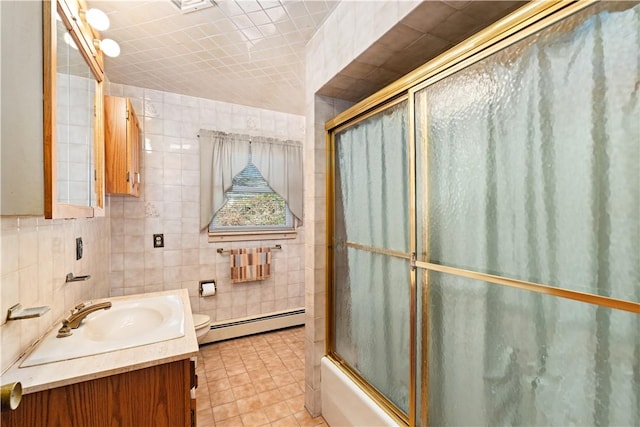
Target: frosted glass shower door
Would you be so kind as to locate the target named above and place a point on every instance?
(370, 252)
(528, 170)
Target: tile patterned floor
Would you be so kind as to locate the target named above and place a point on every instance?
(254, 381)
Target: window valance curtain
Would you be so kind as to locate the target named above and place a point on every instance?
(224, 155)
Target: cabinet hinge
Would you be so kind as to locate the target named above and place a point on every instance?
(128, 176)
(127, 114)
(193, 417)
(95, 174)
(194, 376)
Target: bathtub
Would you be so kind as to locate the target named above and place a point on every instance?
(345, 404)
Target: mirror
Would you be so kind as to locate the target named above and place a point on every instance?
(75, 97)
(74, 136)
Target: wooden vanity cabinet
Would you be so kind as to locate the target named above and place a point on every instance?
(157, 396)
(122, 147)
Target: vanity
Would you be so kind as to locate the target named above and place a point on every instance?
(141, 385)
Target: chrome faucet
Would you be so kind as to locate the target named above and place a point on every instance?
(77, 315)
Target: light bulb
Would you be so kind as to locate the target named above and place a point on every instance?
(110, 48)
(97, 19)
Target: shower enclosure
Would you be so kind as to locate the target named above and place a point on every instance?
(484, 228)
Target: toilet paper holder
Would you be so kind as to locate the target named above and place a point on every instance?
(207, 288)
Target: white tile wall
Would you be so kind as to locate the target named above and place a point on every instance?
(36, 255)
(170, 205)
(327, 53)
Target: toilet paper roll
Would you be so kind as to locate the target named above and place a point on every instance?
(208, 289)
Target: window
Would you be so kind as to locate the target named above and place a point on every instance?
(250, 188)
(252, 206)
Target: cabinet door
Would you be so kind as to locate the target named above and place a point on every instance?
(116, 162)
(133, 150)
(122, 147)
(157, 396)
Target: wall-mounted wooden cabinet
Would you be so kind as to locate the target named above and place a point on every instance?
(51, 134)
(122, 147)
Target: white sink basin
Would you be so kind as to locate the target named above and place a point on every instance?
(122, 323)
(129, 323)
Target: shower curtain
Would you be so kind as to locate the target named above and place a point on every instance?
(531, 170)
(372, 286)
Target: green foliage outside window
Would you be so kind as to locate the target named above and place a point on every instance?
(257, 209)
(252, 204)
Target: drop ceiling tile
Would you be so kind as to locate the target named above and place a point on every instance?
(126, 34)
(268, 30)
(286, 26)
(202, 56)
(230, 8)
(259, 18)
(181, 36)
(306, 21)
(315, 7)
(220, 26)
(318, 19)
(269, 4)
(279, 42)
(277, 14)
(249, 5)
(295, 9)
(151, 10)
(252, 33)
(242, 21)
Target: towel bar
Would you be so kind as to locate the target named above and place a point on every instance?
(223, 251)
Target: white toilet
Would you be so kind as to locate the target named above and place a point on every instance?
(201, 323)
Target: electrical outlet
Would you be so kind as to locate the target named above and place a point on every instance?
(79, 248)
(158, 240)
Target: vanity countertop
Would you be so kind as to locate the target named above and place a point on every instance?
(57, 374)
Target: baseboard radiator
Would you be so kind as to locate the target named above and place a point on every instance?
(254, 325)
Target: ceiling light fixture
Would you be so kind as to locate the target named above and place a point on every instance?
(108, 47)
(97, 19)
(187, 6)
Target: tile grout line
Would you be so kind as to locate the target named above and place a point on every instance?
(254, 381)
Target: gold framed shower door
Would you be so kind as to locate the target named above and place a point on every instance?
(530, 19)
